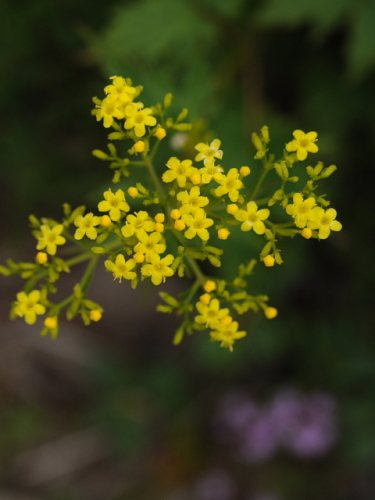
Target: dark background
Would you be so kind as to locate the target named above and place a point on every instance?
(115, 410)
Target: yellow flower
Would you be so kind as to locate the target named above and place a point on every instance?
(198, 224)
(210, 314)
(178, 170)
(159, 268)
(28, 306)
(51, 237)
(137, 224)
(325, 222)
(227, 334)
(252, 218)
(108, 110)
(211, 171)
(208, 152)
(119, 89)
(138, 119)
(149, 244)
(86, 226)
(301, 210)
(303, 144)
(120, 268)
(114, 203)
(230, 184)
(191, 200)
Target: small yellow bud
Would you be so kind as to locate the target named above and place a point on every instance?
(244, 171)
(51, 322)
(179, 225)
(160, 217)
(205, 298)
(209, 286)
(138, 258)
(160, 133)
(133, 192)
(226, 321)
(139, 146)
(270, 312)
(196, 179)
(269, 261)
(41, 257)
(105, 221)
(95, 315)
(306, 233)
(175, 214)
(159, 228)
(232, 209)
(223, 233)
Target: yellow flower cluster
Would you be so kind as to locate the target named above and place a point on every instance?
(119, 104)
(188, 205)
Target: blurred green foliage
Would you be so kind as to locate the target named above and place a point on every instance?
(238, 64)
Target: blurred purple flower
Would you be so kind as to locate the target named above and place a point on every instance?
(306, 424)
(303, 424)
(217, 484)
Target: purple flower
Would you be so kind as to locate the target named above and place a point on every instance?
(306, 424)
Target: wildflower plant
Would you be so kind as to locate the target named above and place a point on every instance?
(188, 210)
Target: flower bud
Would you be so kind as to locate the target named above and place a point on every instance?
(306, 233)
(160, 133)
(226, 321)
(269, 261)
(105, 221)
(51, 322)
(160, 217)
(95, 315)
(244, 171)
(209, 286)
(179, 225)
(223, 233)
(133, 192)
(175, 214)
(41, 257)
(139, 146)
(138, 257)
(205, 298)
(232, 209)
(270, 312)
(196, 179)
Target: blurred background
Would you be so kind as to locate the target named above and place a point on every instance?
(115, 411)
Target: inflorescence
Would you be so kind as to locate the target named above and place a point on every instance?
(193, 201)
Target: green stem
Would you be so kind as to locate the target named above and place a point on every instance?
(192, 292)
(258, 183)
(158, 185)
(87, 277)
